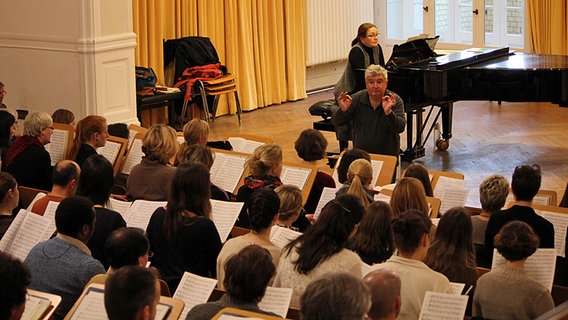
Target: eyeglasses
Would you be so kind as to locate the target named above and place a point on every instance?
(52, 128)
(373, 35)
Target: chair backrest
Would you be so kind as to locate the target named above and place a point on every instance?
(28, 195)
(189, 52)
(242, 314)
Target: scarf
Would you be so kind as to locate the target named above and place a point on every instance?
(266, 181)
(19, 145)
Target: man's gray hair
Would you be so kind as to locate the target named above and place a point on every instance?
(376, 70)
(340, 296)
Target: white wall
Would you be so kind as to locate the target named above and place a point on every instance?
(75, 54)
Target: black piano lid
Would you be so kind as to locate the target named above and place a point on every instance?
(525, 61)
(458, 59)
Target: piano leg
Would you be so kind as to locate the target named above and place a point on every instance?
(414, 149)
(447, 115)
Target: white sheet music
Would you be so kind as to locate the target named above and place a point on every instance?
(134, 156)
(35, 307)
(560, 222)
(540, 266)
(180, 139)
(91, 307)
(444, 306)
(119, 206)
(193, 290)
(58, 146)
(243, 145)
(377, 166)
(327, 195)
(382, 197)
(297, 176)
(224, 215)
(447, 183)
(335, 175)
(10, 235)
(131, 135)
(457, 288)
(32, 231)
(276, 300)
(280, 236)
(110, 151)
(452, 198)
(543, 199)
(227, 170)
(140, 212)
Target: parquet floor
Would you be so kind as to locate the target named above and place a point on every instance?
(487, 139)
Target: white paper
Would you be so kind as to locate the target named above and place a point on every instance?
(382, 197)
(10, 235)
(119, 206)
(443, 306)
(25, 234)
(452, 198)
(447, 183)
(457, 288)
(140, 212)
(280, 236)
(297, 176)
(327, 195)
(92, 307)
(377, 165)
(224, 215)
(110, 151)
(540, 265)
(560, 223)
(193, 290)
(276, 300)
(58, 146)
(134, 156)
(35, 305)
(227, 170)
(243, 145)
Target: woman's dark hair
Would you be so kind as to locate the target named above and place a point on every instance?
(7, 120)
(452, 252)
(7, 182)
(346, 159)
(263, 206)
(125, 245)
(373, 240)
(248, 272)
(418, 171)
(190, 191)
(362, 32)
(516, 241)
(311, 145)
(408, 229)
(526, 182)
(15, 277)
(96, 179)
(328, 235)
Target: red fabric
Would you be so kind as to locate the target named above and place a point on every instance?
(20, 145)
(191, 75)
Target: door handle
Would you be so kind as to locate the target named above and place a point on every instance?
(476, 11)
(425, 8)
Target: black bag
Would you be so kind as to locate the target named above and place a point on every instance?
(145, 77)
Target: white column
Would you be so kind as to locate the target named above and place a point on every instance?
(74, 54)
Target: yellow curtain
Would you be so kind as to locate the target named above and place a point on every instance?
(549, 26)
(261, 41)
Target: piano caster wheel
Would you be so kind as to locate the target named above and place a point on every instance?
(442, 145)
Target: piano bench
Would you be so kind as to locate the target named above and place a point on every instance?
(324, 125)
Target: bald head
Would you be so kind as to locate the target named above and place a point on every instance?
(385, 293)
(64, 172)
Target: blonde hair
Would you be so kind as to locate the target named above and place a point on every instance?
(196, 153)
(160, 143)
(408, 193)
(195, 130)
(290, 200)
(264, 158)
(35, 121)
(360, 174)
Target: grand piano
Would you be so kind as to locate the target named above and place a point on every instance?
(476, 74)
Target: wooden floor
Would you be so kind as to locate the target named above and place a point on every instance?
(487, 139)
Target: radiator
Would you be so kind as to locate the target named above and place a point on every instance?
(331, 26)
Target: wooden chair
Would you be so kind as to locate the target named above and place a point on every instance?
(437, 174)
(387, 164)
(114, 151)
(238, 231)
(28, 195)
(243, 314)
(214, 87)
